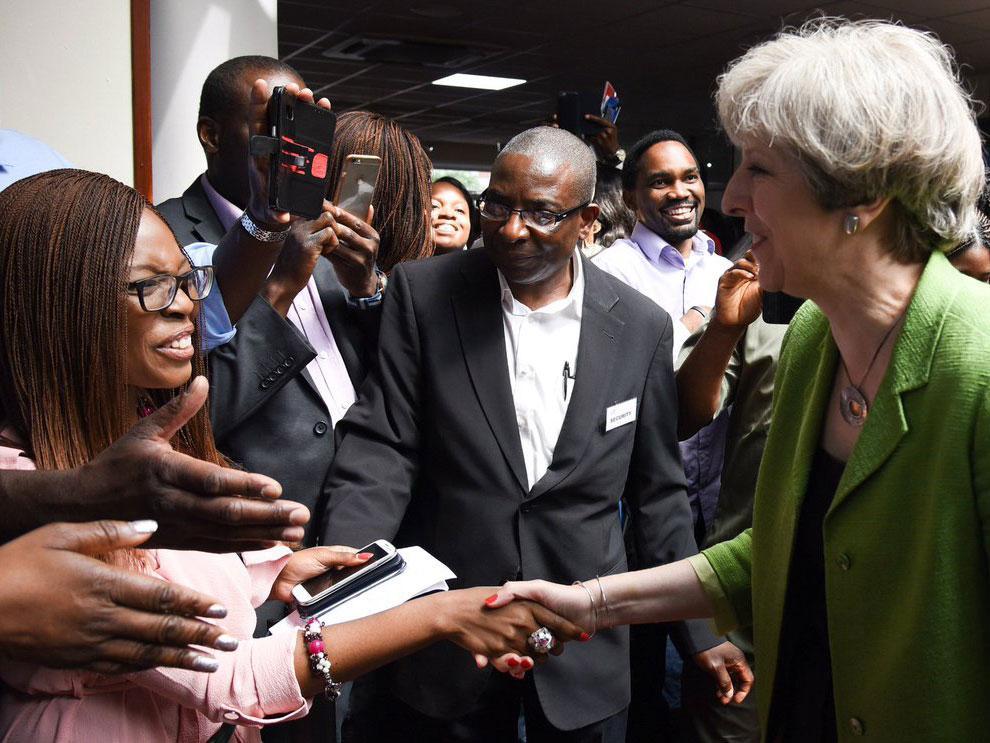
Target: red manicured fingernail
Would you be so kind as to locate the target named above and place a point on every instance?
(512, 662)
(526, 663)
(365, 555)
(491, 599)
(584, 637)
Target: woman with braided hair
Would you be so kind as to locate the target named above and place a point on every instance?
(98, 306)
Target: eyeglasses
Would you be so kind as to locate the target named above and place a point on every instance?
(542, 220)
(157, 293)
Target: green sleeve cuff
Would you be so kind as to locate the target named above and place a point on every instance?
(725, 616)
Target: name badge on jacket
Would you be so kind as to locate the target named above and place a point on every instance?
(620, 414)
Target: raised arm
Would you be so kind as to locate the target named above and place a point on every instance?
(241, 263)
(699, 378)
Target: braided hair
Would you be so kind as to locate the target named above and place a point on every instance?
(67, 238)
(402, 195)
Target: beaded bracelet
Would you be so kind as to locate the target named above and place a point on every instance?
(318, 660)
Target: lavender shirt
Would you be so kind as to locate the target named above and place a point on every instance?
(327, 370)
(651, 265)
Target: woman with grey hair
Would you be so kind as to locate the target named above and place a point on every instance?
(865, 575)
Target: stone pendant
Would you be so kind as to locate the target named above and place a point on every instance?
(853, 406)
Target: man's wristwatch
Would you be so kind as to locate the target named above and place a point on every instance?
(364, 303)
(261, 234)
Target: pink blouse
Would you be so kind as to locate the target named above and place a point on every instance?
(255, 685)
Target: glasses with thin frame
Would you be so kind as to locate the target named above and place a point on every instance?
(542, 220)
(157, 293)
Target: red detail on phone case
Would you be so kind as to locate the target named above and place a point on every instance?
(290, 140)
(319, 169)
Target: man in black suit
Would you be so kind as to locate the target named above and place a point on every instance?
(520, 392)
(302, 344)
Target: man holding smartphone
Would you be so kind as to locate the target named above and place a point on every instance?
(519, 393)
(289, 372)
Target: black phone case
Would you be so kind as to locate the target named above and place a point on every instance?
(359, 585)
(298, 172)
(571, 108)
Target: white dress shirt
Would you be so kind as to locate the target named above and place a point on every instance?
(538, 344)
(649, 264)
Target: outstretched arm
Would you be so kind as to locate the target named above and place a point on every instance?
(198, 505)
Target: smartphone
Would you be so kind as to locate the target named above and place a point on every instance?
(780, 308)
(571, 108)
(333, 587)
(303, 134)
(356, 186)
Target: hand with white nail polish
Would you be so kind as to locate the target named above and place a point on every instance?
(62, 607)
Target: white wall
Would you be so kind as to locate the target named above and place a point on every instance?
(65, 78)
(188, 39)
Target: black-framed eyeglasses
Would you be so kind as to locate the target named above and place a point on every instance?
(542, 220)
(157, 293)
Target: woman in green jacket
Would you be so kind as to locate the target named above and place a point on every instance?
(865, 575)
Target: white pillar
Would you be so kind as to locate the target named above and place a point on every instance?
(65, 78)
(188, 39)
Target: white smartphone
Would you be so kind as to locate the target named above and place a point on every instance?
(356, 186)
(334, 586)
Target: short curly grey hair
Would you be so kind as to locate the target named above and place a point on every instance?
(870, 109)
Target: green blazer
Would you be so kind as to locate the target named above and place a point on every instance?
(907, 535)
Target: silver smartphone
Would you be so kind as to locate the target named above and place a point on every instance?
(356, 186)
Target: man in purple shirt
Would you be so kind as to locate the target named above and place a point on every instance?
(667, 257)
(670, 260)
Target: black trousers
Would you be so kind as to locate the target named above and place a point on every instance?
(376, 716)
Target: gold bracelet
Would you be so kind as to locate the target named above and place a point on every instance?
(594, 609)
(605, 609)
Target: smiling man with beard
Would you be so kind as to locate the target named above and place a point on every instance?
(519, 393)
(667, 257)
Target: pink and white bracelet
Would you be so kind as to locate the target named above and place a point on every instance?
(318, 660)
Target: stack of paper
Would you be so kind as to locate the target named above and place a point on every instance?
(423, 574)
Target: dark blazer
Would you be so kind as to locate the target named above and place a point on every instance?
(431, 455)
(191, 216)
(267, 414)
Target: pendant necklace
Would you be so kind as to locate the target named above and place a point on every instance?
(852, 402)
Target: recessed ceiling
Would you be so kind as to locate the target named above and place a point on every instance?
(663, 58)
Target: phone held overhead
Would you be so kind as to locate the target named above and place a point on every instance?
(301, 136)
(357, 184)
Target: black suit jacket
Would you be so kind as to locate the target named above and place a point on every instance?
(431, 455)
(267, 414)
(191, 216)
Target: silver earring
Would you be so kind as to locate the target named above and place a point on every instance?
(851, 224)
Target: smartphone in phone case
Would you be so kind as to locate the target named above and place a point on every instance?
(571, 108)
(298, 177)
(356, 185)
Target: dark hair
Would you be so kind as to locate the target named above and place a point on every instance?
(402, 195)
(66, 243)
(221, 95)
(630, 168)
(473, 215)
(617, 219)
(981, 235)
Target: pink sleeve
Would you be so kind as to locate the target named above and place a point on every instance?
(255, 685)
